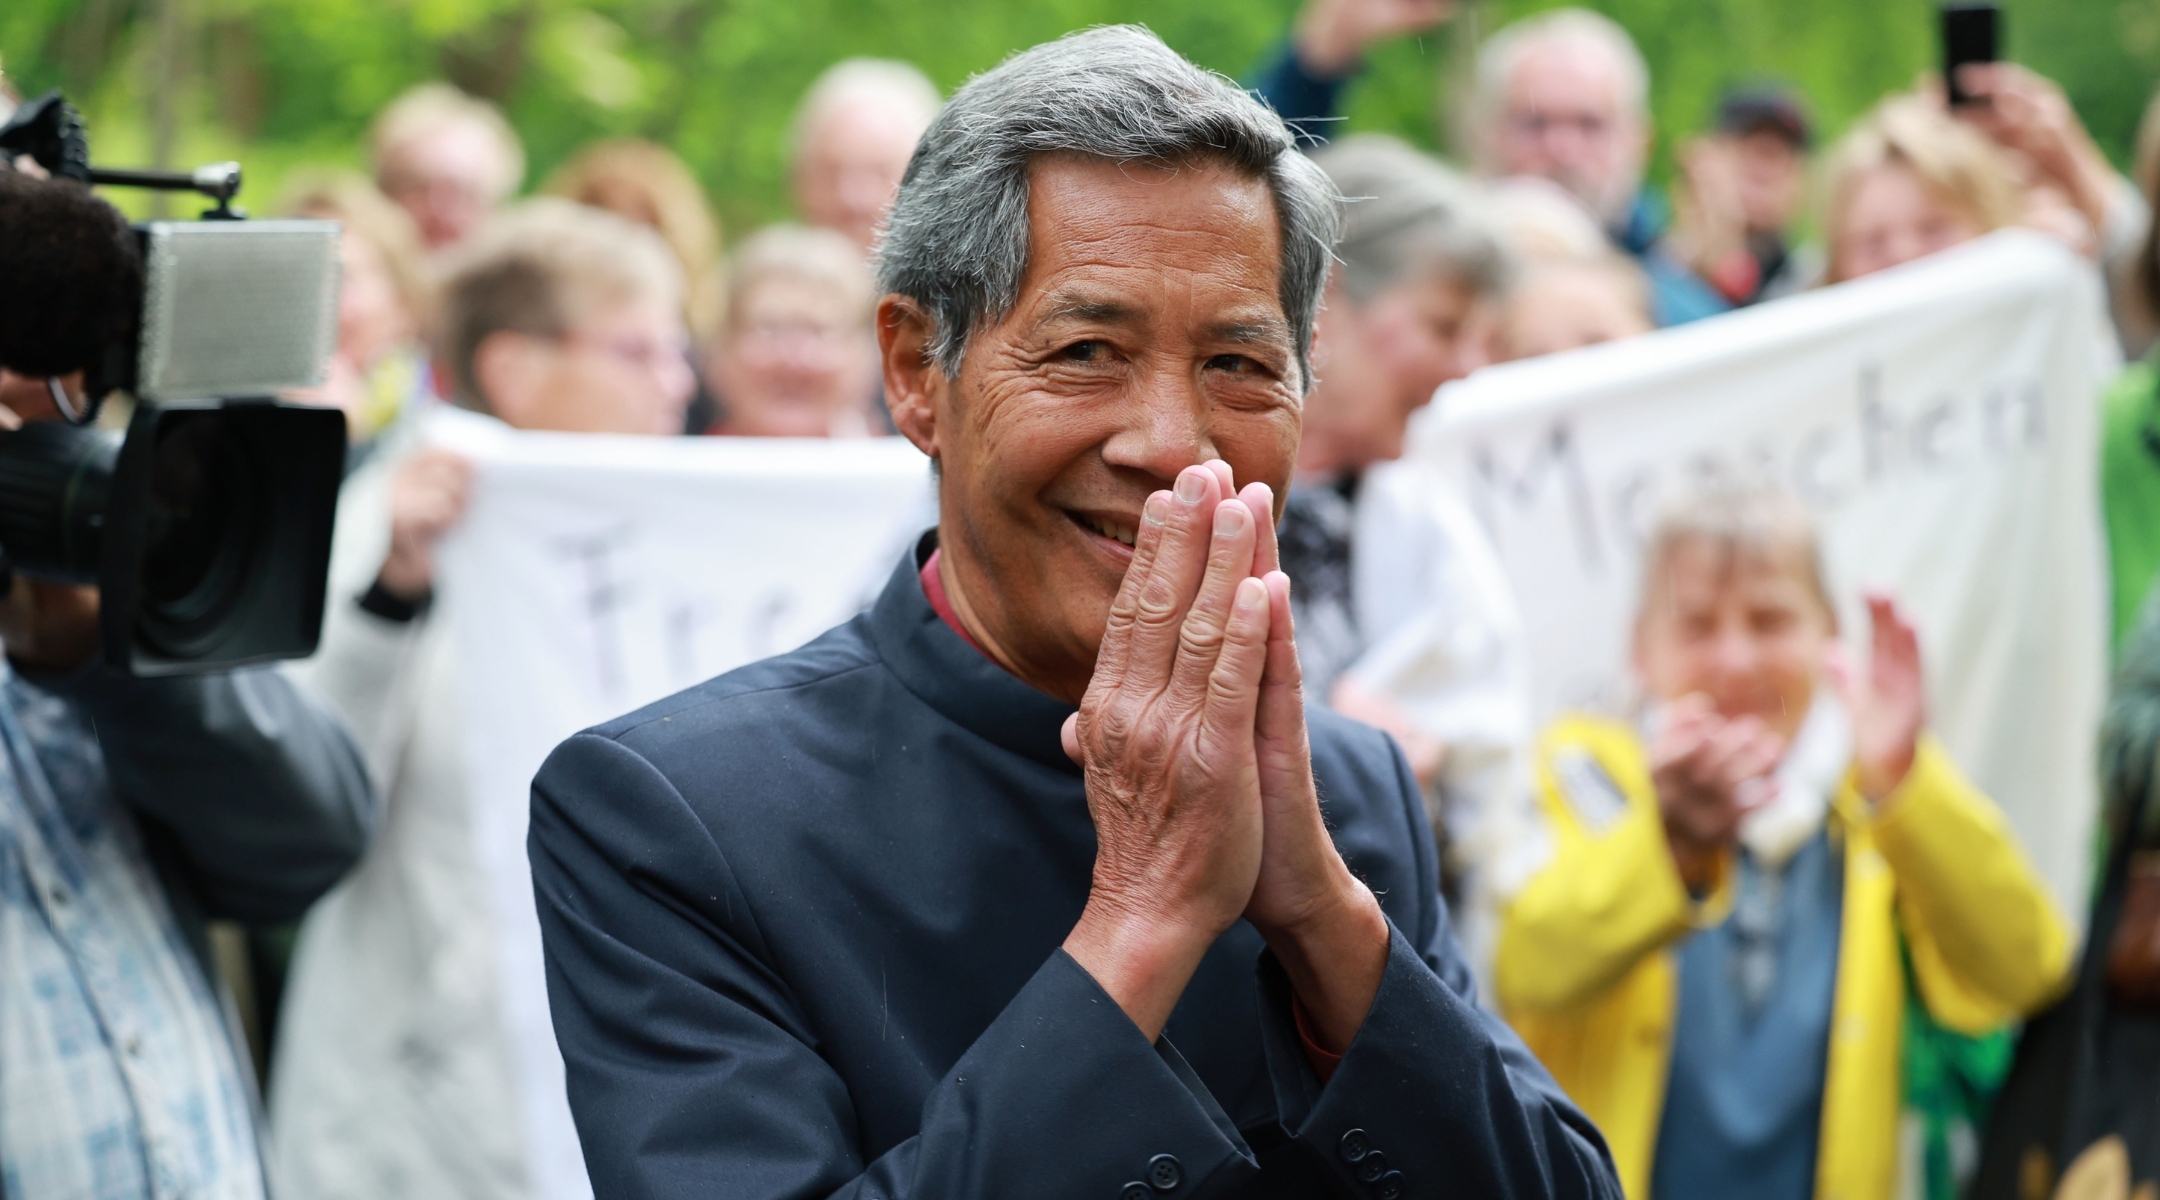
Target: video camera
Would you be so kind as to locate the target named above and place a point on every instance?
(206, 526)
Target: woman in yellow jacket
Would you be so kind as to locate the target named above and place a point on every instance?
(1736, 895)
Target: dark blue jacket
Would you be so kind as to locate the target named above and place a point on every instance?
(803, 928)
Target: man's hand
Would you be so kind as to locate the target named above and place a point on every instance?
(1888, 704)
(44, 626)
(427, 497)
(1332, 35)
(1709, 221)
(49, 626)
(1165, 735)
(1325, 927)
(1709, 773)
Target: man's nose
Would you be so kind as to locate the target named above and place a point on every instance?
(1166, 427)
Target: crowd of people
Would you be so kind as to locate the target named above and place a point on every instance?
(1720, 922)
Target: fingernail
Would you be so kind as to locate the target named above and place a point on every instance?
(1231, 517)
(1251, 594)
(1191, 485)
(1157, 508)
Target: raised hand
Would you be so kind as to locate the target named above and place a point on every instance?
(1710, 773)
(427, 496)
(1332, 35)
(1709, 221)
(1165, 736)
(1888, 701)
(2029, 114)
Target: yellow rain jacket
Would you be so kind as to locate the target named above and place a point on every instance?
(1585, 967)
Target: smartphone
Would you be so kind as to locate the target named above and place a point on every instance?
(1970, 34)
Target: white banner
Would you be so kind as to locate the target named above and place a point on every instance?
(1940, 421)
(594, 574)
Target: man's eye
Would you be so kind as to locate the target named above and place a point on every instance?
(1236, 364)
(1090, 351)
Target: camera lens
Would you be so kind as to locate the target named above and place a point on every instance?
(201, 526)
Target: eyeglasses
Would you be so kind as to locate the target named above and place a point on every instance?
(634, 352)
(1538, 124)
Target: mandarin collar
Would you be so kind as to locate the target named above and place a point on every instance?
(962, 683)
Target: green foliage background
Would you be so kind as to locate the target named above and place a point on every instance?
(278, 83)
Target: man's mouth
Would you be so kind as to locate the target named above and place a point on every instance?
(1116, 531)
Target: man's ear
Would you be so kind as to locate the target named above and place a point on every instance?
(510, 369)
(914, 384)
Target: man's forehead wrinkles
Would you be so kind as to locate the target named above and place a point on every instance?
(1250, 331)
(1073, 306)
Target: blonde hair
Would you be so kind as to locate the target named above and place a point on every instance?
(799, 252)
(430, 106)
(543, 268)
(1952, 160)
(1741, 521)
(645, 182)
(350, 199)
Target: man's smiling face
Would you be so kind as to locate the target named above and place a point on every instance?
(1149, 335)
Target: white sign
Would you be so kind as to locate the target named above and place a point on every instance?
(592, 575)
(1940, 421)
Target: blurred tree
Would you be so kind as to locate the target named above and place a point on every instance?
(282, 82)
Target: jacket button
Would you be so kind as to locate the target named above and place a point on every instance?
(1371, 1167)
(1388, 1186)
(1165, 1172)
(1135, 1190)
(1353, 1145)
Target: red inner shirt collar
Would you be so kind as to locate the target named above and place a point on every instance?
(933, 586)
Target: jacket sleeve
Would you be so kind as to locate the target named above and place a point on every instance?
(692, 1069)
(1434, 1086)
(363, 672)
(1607, 895)
(1988, 945)
(1308, 103)
(256, 787)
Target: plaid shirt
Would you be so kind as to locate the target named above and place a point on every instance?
(117, 1071)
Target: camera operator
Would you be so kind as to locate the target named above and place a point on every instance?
(132, 810)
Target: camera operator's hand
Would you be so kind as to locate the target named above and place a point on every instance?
(44, 626)
(29, 397)
(426, 499)
(50, 627)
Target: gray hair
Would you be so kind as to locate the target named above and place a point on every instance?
(1405, 215)
(956, 239)
(1498, 58)
(888, 82)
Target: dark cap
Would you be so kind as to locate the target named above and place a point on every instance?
(1765, 109)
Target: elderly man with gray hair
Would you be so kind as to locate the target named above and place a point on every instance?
(1018, 884)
